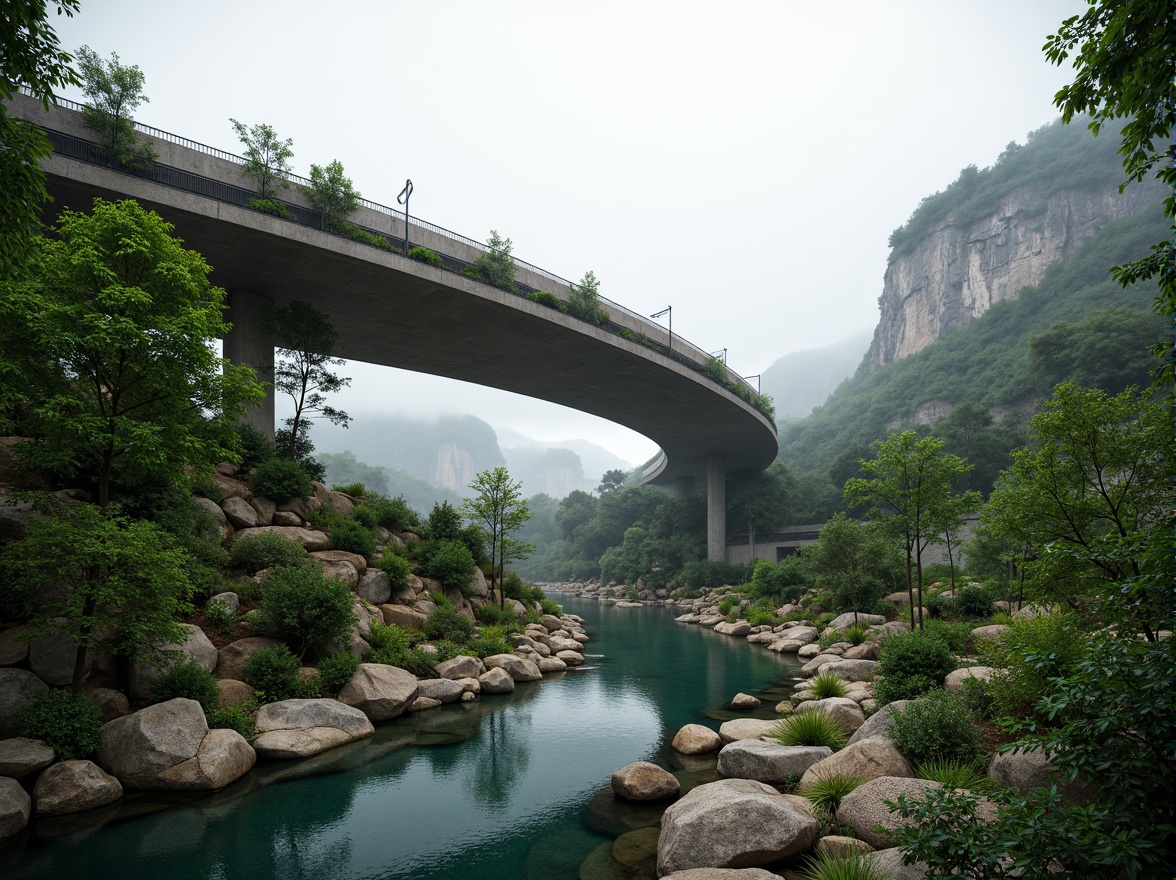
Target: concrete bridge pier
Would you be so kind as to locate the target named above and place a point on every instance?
(716, 507)
(248, 344)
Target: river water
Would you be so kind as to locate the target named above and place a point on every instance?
(507, 788)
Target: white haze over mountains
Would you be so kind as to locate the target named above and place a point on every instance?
(743, 163)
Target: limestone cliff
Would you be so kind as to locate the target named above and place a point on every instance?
(955, 272)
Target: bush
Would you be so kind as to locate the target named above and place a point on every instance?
(390, 513)
(424, 255)
(270, 206)
(273, 673)
(353, 490)
(550, 606)
(252, 553)
(375, 240)
(491, 641)
(547, 298)
(974, 601)
(188, 679)
(354, 537)
(954, 774)
(448, 625)
(397, 568)
(280, 479)
(728, 604)
(911, 664)
(254, 446)
(757, 615)
(64, 721)
(220, 617)
(939, 606)
(499, 617)
(1033, 653)
(449, 562)
(810, 727)
(304, 609)
(233, 718)
(335, 671)
(957, 635)
(828, 790)
(937, 727)
(783, 581)
(827, 685)
(392, 646)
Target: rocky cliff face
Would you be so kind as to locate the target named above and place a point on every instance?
(455, 467)
(955, 273)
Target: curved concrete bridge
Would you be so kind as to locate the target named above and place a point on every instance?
(398, 312)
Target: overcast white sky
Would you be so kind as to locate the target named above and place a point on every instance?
(744, 162)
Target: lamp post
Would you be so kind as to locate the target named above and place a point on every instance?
(668, 310)
(723, 351)
(757, 382)
(402, 199)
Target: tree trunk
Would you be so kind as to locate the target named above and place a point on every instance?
(910, 585)
(79, 670)
(919, 569)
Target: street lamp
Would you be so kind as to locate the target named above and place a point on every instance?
(402, 199)
(715, 354)
(668, 310)
(757, 382)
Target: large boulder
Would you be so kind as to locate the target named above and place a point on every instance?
(14, 648)
(196, 649)
(309, 539)
(851, 670)
(53, 657)
(375, 587)
(643, 781)
(19, 689)
(994, 632)
(767, 762)
(746, 728)
(864, 810)
(802, 634)
(889, 862)
(694, 739)
(443, 690)
(240, 513)
(403, 617)
(461, 666)
(869, 759)
(74, 786)
(300, 728)
(732, 823)
(571, 658)
(15, 807)
(722, 874)
(876, 725)
(358, 562)
(380, 692)
(21, 757)
(843, 710)
(846, 620)
(496, 681)
(233, 657)
(519, 668)
(110, 703)
(738, 628)
(956, 680)
(549, 665)
(1031, 769)
(169, 746)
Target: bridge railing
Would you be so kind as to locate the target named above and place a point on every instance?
(678, 349)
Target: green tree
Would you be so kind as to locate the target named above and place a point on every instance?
(584, 300)
(30, 56)
(758, 500)
(304, 370)
(1123, 70)
(332, 194)
(114, 92)
(111, 584)
(612, 480)
(115, 327)
(267, 157)
(853, 558)
(911, 485)
(499, 510)
(495, 266)
(1087, 497)
(1108, 348)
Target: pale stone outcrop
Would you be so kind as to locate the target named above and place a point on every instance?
(876, 725)
(851, 670)
(300, 728)
(233, 657)
(309, 539)
(73, 787)
(955, 680)
(21, 757)
(403, 617)
(381, 692)
(443, 690)
(845, 711)
(643, 781)
(768, 762)
(496, 681)
(461, 666)
(695, 739)
(864, 810)
(869, 759)
(195, 649)
(846, 620)
(746, 728)
(519, 668)
(745, 701)
(375, 587)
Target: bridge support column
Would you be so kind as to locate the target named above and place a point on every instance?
(683, 486)
(248, 344)
(716, 507)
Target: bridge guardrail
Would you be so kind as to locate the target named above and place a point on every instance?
(90, 152)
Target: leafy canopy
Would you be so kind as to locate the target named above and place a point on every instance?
(267, 157)
(114, 91)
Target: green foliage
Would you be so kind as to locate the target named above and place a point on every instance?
(501, 618)
(195, 530)
(783, 581)
(114, 92)
(728, 604)
(281, 479)
(954, 773)
(112, 331)
(233, 718)
(547, 298)
(1106, 349)
(499, 510)
(273, 674)
(353, 490)
(393, 646)
(397, 568)
(936, 727)
(444, 523)
(424, 255)
(828, 789)
(496, 266)
(855, 633)
(304, 609)
(332, 194)
(270, 206)
(301, 447)
(705, 573)
(343, 467)
(584, 300)
(373, 238)
(855, 560)
(220, 616)
(336, 670)
(449, 562)
(267, 157)
(353, 537)
(810, 727)
(845, 865)
(252, 553)
(253, 446)
(825, 685)
(957, 636)
(491, 641)
(389, 513)
(912, 664)
(64, 721)
(973, 600)
(1033, 654)
(757, 615)
(448, 625)
(188, 679)
(108, 583)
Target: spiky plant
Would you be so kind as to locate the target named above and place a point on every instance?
(826, 684)
(954, 774)
(843, 866)
(810, 727)
(855, 634)
(828, 790)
